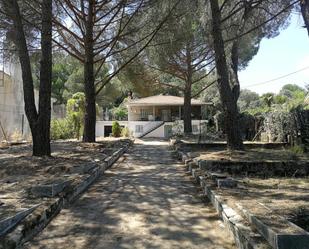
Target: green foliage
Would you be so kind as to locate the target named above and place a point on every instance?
(268, 99)
(291, 88)
(125, 132)
(63, 67)
(280, 99)
(116, 129)
(76, 112)
(290, 97)
(120, 112)
(61, 129)
(297, 150)
(248, 100)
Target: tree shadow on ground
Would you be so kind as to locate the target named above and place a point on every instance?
(145, 201)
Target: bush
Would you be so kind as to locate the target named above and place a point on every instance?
(120, 113)
(116, 129)
(125, 132)
(61, 129)
(297, 149)
(76, 113)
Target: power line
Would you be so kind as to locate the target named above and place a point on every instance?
(278, 78)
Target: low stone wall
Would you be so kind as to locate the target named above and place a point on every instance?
(28, 226)
(222, 145)
(258, 169)
(245, 237)
(262, 169)
(249, 230)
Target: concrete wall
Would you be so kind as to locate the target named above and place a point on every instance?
(12, 115)
(147, 125)
(157, 132)
(100, 126)
(177, 127)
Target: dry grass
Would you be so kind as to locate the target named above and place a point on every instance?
(273, 196)
(252, 155)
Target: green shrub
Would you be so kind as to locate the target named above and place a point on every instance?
(120, 112)
(297, 150)
(125, 132)
(76, 113)
(61, 129)
(116, 129)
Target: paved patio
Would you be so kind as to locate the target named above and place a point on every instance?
(145, 201)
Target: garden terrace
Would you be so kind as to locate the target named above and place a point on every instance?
(259, 159)
(265, 190)
(33, 190)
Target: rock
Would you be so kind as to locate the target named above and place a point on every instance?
(49, 190)
(226, 183)
(279, 232)
(215, 175)
(8, 223)
(82, 169)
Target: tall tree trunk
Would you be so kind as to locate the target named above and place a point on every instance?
(304, 5)
(89, 88)
(39, 122)
(187, 122)
(41, 134)
(187, 109)
(229, 102)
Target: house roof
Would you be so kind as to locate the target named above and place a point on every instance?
(160, 100)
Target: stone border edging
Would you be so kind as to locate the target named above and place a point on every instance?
(299, 239)
(10, 222)
(244, 236)
(38, 219)
(240, 226)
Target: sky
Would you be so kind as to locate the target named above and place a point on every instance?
(286, 53)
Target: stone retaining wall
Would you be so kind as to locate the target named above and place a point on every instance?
(248, 230)
(35, 221)
(250, 168)
(258, 169)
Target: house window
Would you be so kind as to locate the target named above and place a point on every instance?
(139, 128)
(195, 128)
(144, 114)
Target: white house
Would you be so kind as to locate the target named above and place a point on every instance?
(157, 116)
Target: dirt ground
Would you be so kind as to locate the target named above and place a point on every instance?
(280, 196)
(19, 171)
(287, 197)
(145, 201)
(252, 155)
(17, 160)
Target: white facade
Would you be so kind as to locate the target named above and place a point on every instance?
(102, 127)
(157, 116)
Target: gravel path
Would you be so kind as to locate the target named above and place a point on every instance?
(145, 201)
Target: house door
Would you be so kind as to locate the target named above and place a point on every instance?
(167, 131)
(166, 115)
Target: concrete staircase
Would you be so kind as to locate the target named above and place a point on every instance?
(151, 129)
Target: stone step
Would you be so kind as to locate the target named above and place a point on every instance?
(216, 175)
(245, 237)
(226, 183)
(9, 223)
(50, 189)
(279, 232)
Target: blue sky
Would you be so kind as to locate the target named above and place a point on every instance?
(284, 54)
